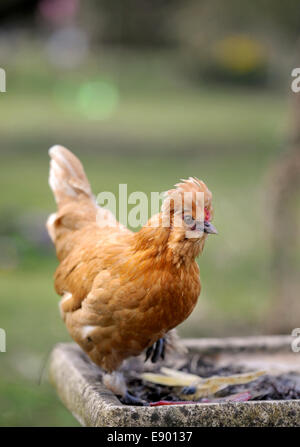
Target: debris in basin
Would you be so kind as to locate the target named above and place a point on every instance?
(265, 387)
(194, 387)
(280, 387)
(238, 397)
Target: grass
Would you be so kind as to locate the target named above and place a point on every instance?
(162, 130)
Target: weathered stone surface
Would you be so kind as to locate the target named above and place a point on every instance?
(272, 343)
(78, 383)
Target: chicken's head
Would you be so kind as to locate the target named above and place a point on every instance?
(188, 210)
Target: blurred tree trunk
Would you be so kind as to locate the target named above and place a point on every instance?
(284, 314)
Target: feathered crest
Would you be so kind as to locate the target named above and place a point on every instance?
(186, 195)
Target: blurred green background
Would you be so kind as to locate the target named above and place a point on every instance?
(145, 93)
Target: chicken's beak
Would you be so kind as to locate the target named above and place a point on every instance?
(209, 228)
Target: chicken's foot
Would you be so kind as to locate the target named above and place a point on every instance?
(130, 399)
(115, 382)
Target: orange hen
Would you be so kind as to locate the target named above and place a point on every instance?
(122, 291)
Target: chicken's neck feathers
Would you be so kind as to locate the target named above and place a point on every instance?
(156, 241)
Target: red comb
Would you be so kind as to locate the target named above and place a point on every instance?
(207, 215)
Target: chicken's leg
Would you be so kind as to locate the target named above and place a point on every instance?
(156, 351)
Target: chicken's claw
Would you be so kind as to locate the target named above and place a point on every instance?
(130, 399)
(156, 351)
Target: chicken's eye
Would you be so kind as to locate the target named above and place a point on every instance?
(189, 220)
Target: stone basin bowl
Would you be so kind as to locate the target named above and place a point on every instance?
(78, 384)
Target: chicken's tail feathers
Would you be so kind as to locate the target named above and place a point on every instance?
(77, 207)
(73, 195)
(67, 178)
